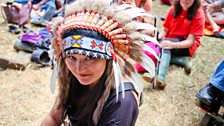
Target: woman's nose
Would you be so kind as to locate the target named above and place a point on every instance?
(79, 65)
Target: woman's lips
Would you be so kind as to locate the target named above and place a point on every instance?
(185, 2)
(84, 75)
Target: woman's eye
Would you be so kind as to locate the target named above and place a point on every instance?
(71, 57)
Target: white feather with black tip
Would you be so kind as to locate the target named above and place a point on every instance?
(148, 64)
(149, 49)
(118, 78)
(54, 78)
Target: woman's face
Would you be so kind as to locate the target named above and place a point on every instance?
(185, 4)
(87, 70)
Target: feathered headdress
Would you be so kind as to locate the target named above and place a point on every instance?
(125, 36)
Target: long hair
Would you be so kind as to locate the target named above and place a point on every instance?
(96, 98)
(191, 12)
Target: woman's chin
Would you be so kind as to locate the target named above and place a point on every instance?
(85, 82)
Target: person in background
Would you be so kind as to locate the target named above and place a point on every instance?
(37, 5)
(95, 54)
(215, 87)
(42, 10)
(145, 4)
(167, 2)
(59, 6)
(214, 14)
(183, 28)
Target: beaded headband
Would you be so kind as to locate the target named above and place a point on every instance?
(90, 47)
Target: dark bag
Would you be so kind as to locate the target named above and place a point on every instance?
(14, 15)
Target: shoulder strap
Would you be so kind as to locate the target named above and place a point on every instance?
(127, 87)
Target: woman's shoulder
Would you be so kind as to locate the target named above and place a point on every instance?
(122, 111)
(118, 103)
(200, 13)
(171, 9)
(129, 94)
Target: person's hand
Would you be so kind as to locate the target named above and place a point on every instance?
(35, 7)
(204, 5)
(166, 44)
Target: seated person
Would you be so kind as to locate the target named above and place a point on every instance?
(59, 6)
(42, 10)
(215, 87)
(183, 28)
(145, 4)
(167, 2)
(213, 13)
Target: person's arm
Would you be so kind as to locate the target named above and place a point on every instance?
(166, 44)
(37, 6)
(217, 78)
(58, 4)
(148, 8)
(163, 33)
(54, 118)
(166, 24)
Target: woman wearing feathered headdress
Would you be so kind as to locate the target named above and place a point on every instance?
(96, 46)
